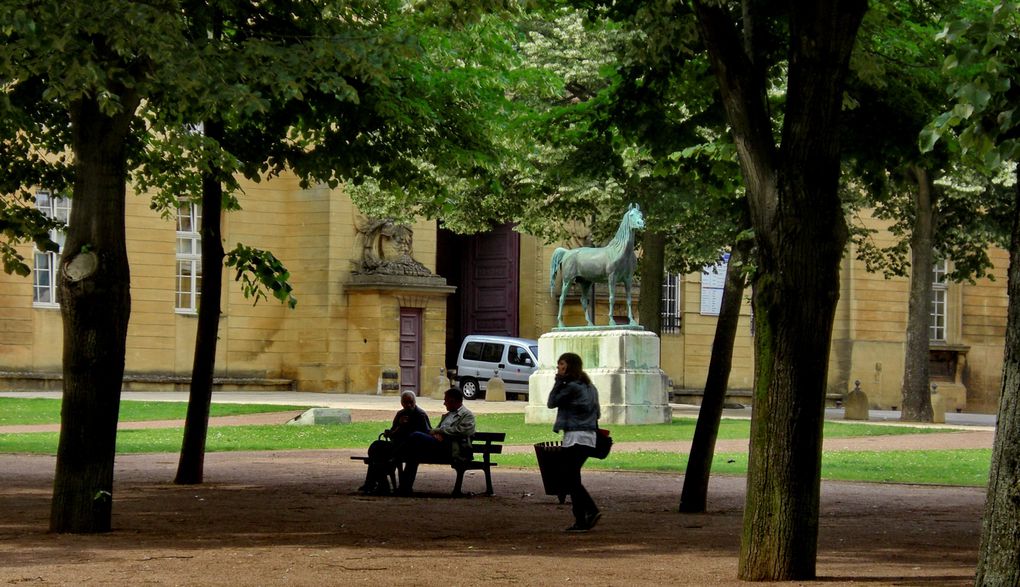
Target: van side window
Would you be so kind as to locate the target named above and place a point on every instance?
(519, 356)
(492, 352)
(473, 351)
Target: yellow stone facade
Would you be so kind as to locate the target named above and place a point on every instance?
(343, 335)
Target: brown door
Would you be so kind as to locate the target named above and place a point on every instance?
(484, 269)
(410, 349)
(492, 289)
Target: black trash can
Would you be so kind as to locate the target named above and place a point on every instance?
(550, 463)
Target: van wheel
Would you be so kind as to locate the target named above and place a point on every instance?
(470, 388)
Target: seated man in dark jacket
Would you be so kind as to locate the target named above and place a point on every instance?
(409, 420)
(449, 441)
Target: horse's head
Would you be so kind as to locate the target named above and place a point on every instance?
(634, 217)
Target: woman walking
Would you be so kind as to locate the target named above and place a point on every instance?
(577, 414)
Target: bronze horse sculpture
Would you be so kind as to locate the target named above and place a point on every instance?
(587, 266)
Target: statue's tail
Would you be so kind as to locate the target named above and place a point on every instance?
(556, 259)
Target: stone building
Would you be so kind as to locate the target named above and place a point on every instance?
(383, 306)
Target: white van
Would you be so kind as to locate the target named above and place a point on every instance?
(482, 357)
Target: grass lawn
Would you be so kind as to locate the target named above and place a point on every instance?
(950, 467)
(14, 411)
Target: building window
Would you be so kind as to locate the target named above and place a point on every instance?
(189, 257)
(939, 291)
(713, 279)
(45, 264)
(671, 303)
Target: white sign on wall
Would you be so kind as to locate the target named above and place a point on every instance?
(713, 278)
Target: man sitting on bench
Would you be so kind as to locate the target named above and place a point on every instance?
(408, 420)
(448, 442)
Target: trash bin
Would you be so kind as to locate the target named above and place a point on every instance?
(550, 463)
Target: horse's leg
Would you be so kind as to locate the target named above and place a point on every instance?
(612, 297)
(630, 315)
(563, 297)
(587, 288)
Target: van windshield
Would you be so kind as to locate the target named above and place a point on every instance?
(534, 350)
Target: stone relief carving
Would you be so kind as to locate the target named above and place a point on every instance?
(385, 248)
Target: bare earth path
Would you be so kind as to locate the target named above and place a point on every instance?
(294, 518)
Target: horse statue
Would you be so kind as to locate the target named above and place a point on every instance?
(587, 266)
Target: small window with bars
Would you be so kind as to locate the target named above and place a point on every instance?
(670, 308)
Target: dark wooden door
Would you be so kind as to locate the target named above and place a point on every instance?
(491, 287)
(410, 349)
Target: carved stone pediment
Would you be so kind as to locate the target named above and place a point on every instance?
(385, 248)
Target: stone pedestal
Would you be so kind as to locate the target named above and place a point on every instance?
(622, 363)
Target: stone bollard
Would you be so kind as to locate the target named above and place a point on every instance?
(495, 391)
(856, 406)
(938, 406)
(439, 385)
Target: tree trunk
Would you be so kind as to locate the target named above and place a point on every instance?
(800, 236)
(999, 557)
(699, 464)
(196, 424)
(653, 254)
(95, 303)
(916, 394)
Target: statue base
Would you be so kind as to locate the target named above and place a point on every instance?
(622, 363)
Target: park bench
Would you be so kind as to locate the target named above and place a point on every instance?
(483, 446)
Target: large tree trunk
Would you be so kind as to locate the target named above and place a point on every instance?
(95, 303)
(999, 558)
(800, 235)
(916, 394)
(699, 464)
(196, 425)
(653, 254)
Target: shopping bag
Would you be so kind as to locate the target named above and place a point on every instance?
(603, 443)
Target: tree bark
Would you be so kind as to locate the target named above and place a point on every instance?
(800, 236)
(916, 393)
(694, 496)
(95, 304)
(196, 424)
(653, 254)
(999, 557)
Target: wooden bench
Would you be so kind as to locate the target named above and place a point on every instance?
(483, 444)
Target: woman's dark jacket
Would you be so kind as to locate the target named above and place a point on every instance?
(577, 405)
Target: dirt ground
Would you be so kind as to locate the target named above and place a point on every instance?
(295, 518)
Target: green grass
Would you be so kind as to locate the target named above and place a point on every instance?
(517, 432)
(14, 411)
(944, 467)
(950, 467)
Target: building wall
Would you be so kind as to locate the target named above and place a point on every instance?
(342, 339)
(320, 345)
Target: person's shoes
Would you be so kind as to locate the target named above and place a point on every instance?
(381, 489)
(366, 488)
(593, 519)
(577, 528)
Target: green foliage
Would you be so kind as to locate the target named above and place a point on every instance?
(260, 271)
(898, 86)
(21, 222)
(631, 122)
(983, 69)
